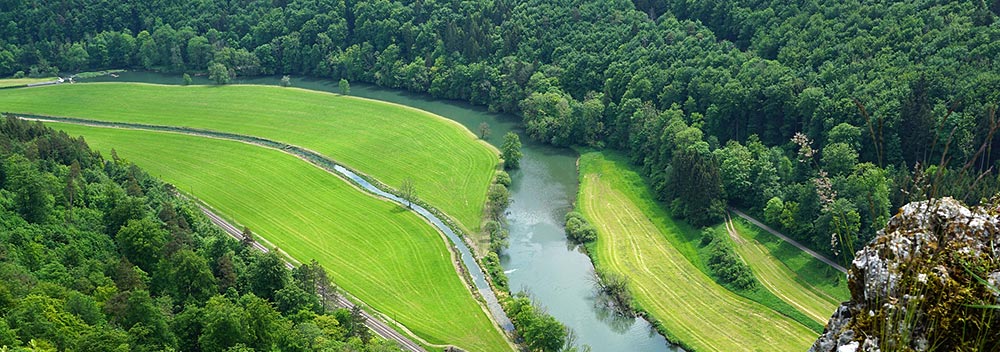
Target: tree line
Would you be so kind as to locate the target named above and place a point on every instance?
(705, 97)
(96, 255)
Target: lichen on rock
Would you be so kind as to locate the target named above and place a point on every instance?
(921, 283)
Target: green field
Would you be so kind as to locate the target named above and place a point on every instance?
(814, 288)
(450, 169)
(376, 250)
(694, 310)
(13, 82)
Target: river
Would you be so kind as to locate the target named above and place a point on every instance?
(539, 260)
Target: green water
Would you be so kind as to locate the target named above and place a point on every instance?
(539, 260)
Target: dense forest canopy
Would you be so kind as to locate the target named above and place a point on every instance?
(812, 113)
(96, 255)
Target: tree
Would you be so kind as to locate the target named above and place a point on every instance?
(188, 277)
(772, 212)
(345, 87)
(511, 151)
(219, 73)
(285, 81)
(696, 185)
(266, 275)
(484, 130)
(839, 158)
(142, 241)
(408, 192)
(187, 79)
(225, 325)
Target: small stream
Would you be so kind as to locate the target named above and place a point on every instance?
(540, 260)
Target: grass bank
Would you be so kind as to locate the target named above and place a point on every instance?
(637, 238)
(14, 82)
(809, 285)
(450, 169)
(376, 250)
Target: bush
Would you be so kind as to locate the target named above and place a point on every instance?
(725, 264)
(492, 264)
(503, 178)
(578, 229)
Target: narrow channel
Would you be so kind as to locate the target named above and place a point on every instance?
(539, 260)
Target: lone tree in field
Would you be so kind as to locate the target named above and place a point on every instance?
(511, 151)
(408, 192)
(345, 86)
(218, 73)
(285, 81)
(187, 79)
(484, 130)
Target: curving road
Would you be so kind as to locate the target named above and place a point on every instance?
(818, 256)
(376, 325)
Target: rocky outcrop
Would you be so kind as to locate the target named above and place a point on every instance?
(924, 283)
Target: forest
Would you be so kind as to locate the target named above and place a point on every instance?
(97, 255)
(819, 116)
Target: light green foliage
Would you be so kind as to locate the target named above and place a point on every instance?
(845, 133)
(275, 187)
(187, 79)
(345, 87)
(773, 210)
(219, 73)
(356, 132)
(511, 151)
(578, 229)
(839, 158)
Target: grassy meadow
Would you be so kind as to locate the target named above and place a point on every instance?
(813, 287)
(693, 309)
(450, 169)
(376, 250)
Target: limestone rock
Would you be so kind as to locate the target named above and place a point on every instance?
(915, 286)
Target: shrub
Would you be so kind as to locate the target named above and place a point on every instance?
(578, 229)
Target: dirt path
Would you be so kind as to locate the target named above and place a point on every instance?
(818, 256)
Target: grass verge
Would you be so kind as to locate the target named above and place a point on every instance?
(450, 169)
(818, 286)
(14, 82)
(378, 251)
(634, 238)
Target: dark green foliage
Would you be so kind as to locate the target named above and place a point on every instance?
(578, 229)
(136, 270)
(266, 274)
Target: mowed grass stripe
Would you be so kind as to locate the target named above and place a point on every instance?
(691, 306)
(776, 277)
(449, 167)
(376, 250)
